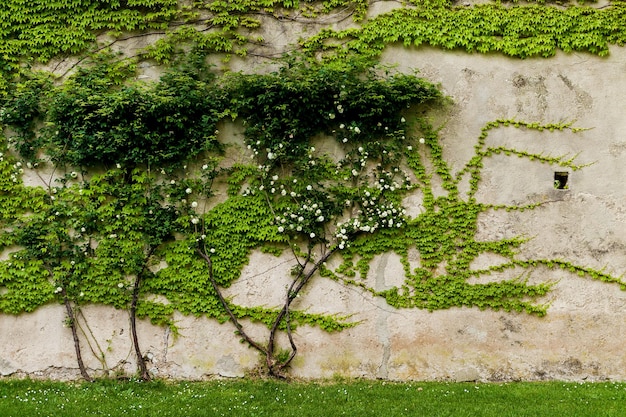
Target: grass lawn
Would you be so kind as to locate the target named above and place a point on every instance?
(26, 398)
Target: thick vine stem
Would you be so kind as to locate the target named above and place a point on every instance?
(231, 316)
(292, 293)
(141, 362)
(71, 317)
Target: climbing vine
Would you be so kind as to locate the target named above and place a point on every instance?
(137, 208)
(517, 30)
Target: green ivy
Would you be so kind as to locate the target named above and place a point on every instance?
(520, 31)
(140, 192)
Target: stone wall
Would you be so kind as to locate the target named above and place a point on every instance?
(583, 335)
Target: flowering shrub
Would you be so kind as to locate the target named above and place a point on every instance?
(130, 220)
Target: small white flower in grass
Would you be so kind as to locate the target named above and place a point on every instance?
(331, 116)
(422, 140)
(357, 130)
(112, 236)
(345, 140)
(342, 126)
(293, 193)
(58, 290)
(410, 148)
(281, 229)
(320, 219)
(403, 120)
(355, 172)
(188, 190)
(309, 187)
(283, 192)
(194, 204)
(119, 166)
(312, 235)
(203, 237)
(82, 294)
(205, 167)
(195, 220)
(212, 250)
(275, 178)
(271, 155)
(83, 230)
(120, 285)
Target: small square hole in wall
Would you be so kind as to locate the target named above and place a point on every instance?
(561, 180)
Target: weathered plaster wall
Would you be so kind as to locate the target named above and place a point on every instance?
(584, 333)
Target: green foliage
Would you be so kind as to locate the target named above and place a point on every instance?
(139, 192)
(444, 237)
(517, 30)
(43, 29)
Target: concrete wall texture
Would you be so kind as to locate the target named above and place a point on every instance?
(582, 336)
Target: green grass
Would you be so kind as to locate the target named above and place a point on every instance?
(25, 398)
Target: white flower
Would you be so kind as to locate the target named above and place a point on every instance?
(212, 250)
(345, 140)
(275, 178)
(205, 166)
(118, 166)
(403, 120)
(83, 230)
(357, 130)
(281, 229)
(331, 116)
(422, 140)
(188, 190)
(270, 155)
(355, 172)
(410, 148)
(341, 126)
(309, 187)
(120, 285)
(312, 235)
(195, 220)
(58, 290)
(283, 192)
(112, 236)
(194, 204)
(320, 219)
